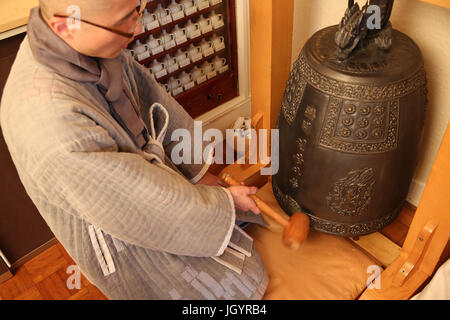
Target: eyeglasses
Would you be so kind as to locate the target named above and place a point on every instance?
(116, 31)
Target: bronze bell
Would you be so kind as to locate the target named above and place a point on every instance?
(350, 124)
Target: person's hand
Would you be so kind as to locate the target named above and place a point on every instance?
(241, 194)
(242, 199)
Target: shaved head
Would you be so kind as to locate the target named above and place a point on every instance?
(88, 7)
(87, 37)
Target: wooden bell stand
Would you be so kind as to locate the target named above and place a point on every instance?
(407, 268)
(270, 68)
(427, 242)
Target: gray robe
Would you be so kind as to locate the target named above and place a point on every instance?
(135, 224)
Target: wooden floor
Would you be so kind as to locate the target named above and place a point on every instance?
(44, 277)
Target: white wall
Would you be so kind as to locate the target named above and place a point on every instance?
(429, 26)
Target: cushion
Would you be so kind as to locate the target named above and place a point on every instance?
(324, 267)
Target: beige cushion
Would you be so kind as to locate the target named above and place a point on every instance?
(325, 266)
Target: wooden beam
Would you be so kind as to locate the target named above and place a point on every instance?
(379, 247)
(271, 23)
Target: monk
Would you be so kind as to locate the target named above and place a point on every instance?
(89, 131)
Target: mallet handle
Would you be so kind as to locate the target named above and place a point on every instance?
(264, 207)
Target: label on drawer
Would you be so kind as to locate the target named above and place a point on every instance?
(191, 10)
(165, 20)
(208, 52)
(219, 46)
(169, 44)
(172, 68)
(201, 79)
(157, 50)
(181, 39)
(189, 85)
(143, 55)
(195, 34)
(152, 25)
(219, 24)
(177, 91)
(203, 5)
(223, 69)
(184, 62)
(161, 73)
(196, 57)
(177, 15)
(211, 74)
(207, 29)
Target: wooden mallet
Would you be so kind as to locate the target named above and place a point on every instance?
(295, 229)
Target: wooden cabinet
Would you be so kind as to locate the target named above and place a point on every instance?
(23, 232)
(169, 33)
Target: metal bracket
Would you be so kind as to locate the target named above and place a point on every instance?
(256, 124)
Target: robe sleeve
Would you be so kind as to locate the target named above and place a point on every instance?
(149, 92)
(142, 203)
